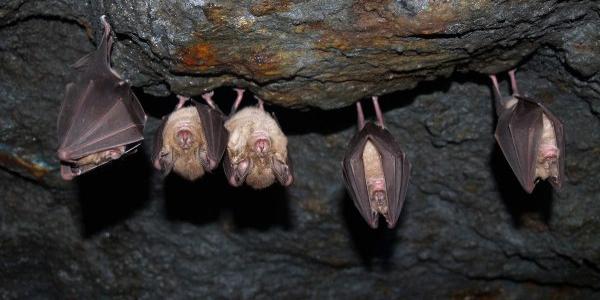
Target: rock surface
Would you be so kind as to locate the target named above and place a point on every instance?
(467, 229)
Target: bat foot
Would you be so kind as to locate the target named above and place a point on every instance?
(513, 82)
(361, 116)
(182, 101)
(238, 99)
(260, 103)
(208, 98)
(378, 111)
(105, 23)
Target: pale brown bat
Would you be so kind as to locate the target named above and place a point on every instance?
(100, 118)
(191, 140)
(257, 148)
(530, 136)
(376, 171)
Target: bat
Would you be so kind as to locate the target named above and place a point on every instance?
(191, 140)
(100, 118)
(530, 136)
(257, 148)
(376, 171)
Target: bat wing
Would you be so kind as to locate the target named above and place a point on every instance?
(99, 111)
(560, 142)
(354, 177)
(213, 124)
(518, 134)
(164, 167)
(396, 169)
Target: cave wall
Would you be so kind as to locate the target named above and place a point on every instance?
(467, 229)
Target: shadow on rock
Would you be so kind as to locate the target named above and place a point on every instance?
(113, 192)
(518, 203)
(209, 198)
(375, 247)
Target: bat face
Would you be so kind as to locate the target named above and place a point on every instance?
(532, 141)
(100, 118)
(376, 173)
(256, 151)
(190, 142)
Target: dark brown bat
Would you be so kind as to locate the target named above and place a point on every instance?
(100, 118)
(191, 140)
(531, 138)
(376, 171)
(257, 148)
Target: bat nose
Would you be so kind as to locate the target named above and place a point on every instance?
(185, 138)
(262, 145)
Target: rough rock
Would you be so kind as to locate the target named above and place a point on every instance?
(467, 229)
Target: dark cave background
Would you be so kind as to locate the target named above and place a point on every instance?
(467, 230)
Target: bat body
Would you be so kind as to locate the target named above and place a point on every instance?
(256, 150)
(531, 138)
(376, 171)
(100, 118)
(190, 141)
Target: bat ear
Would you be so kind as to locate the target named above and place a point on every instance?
(283, 172)
(207, 163)
(236, 173)
(164, 162)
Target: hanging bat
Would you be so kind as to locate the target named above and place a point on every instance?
(257, 148)
(191, 140)
(376, 171)
(100, 118)
(531, 138)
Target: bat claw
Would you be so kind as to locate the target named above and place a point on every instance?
(105, 23)
(238, 99)
(378, 111)
(260, 103)
(182, 101)
(208, 98)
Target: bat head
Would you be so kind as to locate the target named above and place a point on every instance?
(71, 168)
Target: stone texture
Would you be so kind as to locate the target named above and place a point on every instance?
(467, 229)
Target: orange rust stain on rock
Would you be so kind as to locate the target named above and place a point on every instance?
(376, 26)
(337, 40)
(199, 55)
(265, 64)
(267, 7)
(377, 18)
(16, 163)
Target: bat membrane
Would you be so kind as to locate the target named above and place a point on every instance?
(100, 118)
(531, 138)
(376, 171)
